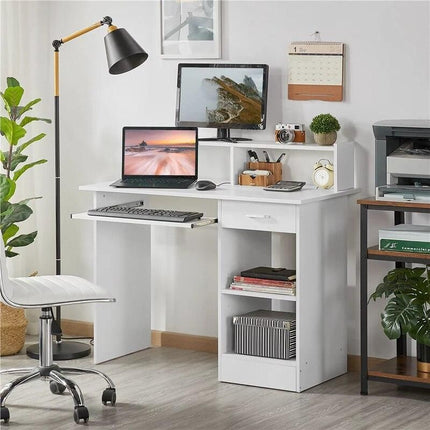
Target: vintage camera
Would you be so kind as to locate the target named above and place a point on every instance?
(289, 133)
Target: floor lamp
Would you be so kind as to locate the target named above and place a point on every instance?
(123, 54)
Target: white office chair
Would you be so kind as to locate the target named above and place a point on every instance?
(46, 292)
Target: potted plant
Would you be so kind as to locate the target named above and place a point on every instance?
(325, 128)
(408, 308)
(14, 163)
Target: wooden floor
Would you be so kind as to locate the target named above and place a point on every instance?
(167, 388)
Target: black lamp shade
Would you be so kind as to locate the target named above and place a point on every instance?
(123, 52)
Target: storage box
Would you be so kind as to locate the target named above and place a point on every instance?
(265, 333)
(262, 181)
(405, 238)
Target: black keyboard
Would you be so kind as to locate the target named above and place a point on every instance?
(133, 210)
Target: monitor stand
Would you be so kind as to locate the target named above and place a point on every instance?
(223, 134)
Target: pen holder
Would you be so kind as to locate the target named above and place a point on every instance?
(262, 181)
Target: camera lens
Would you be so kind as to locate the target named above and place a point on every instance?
(285, 136)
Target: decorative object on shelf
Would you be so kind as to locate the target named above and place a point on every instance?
(315, 71)
(123, 54)
(13, 322)
(258, 179)
(325, 127)
(408, 308)
(323, 174)
(290, 133)
(190, 28)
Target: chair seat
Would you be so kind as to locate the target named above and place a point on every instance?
(55, 290)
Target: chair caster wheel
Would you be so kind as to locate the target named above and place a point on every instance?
(56, 388)
(5, 414)
(109, 395)
(81, 413)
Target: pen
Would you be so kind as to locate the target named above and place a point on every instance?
(266, 155)
(281, 157)
(252, 156)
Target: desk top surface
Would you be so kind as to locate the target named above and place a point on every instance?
(308, 194)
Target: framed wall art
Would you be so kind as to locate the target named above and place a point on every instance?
(190, 28)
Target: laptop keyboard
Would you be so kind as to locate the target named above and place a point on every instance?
(136, 212)
(158, 182)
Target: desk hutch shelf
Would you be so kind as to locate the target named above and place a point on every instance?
(402, 369)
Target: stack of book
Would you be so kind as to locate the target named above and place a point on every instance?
(405, 238)
(284, 285)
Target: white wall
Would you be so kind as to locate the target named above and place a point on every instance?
(387, 77)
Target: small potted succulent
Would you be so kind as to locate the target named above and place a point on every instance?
(408, 308)
(325, 127)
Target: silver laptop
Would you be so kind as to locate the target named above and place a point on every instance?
(158, 157)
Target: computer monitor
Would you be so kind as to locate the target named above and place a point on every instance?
(222, 96)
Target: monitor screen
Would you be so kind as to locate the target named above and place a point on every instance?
(159, 151)
(222, 96)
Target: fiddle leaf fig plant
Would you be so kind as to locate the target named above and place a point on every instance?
(408, 307)
(15, 163)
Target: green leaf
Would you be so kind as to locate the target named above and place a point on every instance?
(6, 105)
(10, 253)
(25, 201)
(421, 331)
(399, 316)
(21, 147)
(11, 231)
(27, 107)
(2, 157)
(7, 188)
(19, 172)
(4, 206)
(12, 131)
(12, 82)
(22, 240)
(13, 95)
(27, 119)
(17, 159)
(17, 213)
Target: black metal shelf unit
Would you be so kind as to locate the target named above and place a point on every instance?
(402, 369)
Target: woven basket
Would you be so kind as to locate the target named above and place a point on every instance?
(12, 329)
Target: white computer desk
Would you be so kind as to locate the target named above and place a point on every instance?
(315, 225)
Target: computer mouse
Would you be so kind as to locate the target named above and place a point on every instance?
(204, 185)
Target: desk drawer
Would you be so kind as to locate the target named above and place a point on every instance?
(258, 216)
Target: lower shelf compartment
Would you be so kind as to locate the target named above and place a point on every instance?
(400, 370)
(258, 371)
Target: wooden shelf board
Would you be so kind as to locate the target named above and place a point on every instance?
(400, 368)
(375, 253)
(371, 201)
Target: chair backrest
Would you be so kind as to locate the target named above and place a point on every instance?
(5, 285)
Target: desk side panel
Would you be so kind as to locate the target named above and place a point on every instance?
(123, 267)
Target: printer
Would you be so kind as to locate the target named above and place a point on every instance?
(402, 160)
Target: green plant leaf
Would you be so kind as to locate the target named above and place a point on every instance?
(27, 107)
(22, 240)
(19, 172)
(12, 131)
(6, 106)
(27, 119)
(21, 147)
(4, 206)
(7, 188)
(12, 82)
(16, 213)
(10, 253)
(400, 314)
(17, 159)
(11, 231)
(421, 331)
(25, 201)
(2, 157)
(13, 95)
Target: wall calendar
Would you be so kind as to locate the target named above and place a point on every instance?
(315, 71)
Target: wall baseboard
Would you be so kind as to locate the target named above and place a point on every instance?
(185, 341)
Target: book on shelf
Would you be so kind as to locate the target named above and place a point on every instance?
(275, 273)
(241, 286)
(405, 238)
(263, 281)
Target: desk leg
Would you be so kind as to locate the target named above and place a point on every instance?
(123, 267)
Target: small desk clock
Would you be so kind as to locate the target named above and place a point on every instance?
(323, 175)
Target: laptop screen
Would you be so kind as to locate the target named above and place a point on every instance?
(160, 151)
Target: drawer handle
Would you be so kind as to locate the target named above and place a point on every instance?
(258, 216)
